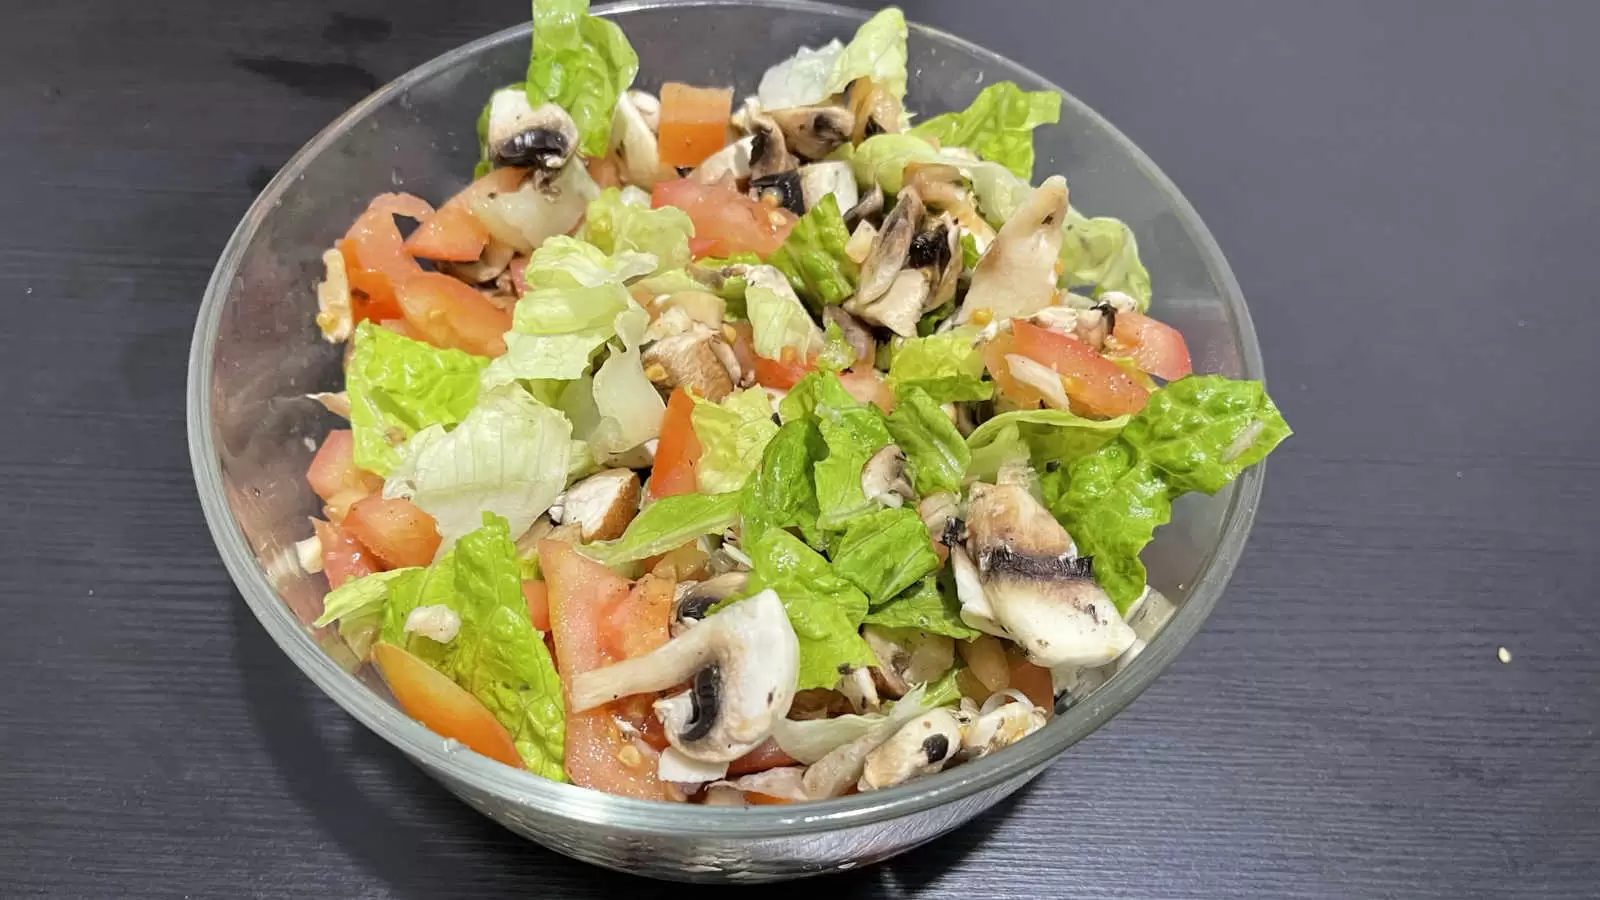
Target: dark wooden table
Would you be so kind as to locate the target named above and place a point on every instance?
(1408, 193)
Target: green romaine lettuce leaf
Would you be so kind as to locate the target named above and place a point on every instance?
(853, 432)
(357, 605)
(782, 492)
(732, 436)
(813, 259)
(800, 80)
(998, 125)
(947, 366)
(613, 226)
(1039, 436)
(837, 352)
(815, 388)
(581, 63)
(823, 607)
(878, 51)
(566, 262)
(881, 160)
(1104, 253)
(398, 386)
(936, 456)
(509, 456)
(778, 319)
(885, 552)
(666, 524)
(925, 606)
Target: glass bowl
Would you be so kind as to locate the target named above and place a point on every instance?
(256, 353)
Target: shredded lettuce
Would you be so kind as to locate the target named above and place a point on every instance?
(800, 80)
(357, 605)
(778, 319)
(781, 493)
(881, 159)
(885, 552)
(998, 126)
(936, 456)
(813, 259)
(509, 456)
(614, 226)
(1197, 433)
(853, 432)
(1103, 252)
(665, 525)
(732, 436)
(566, 262)
(629, 406)
(583, 64)
(927, 606)
(809, 740)
(878, 51)
(947, 366)
(824, 608)
(1039, 436)
(398, 386)
(815, 388)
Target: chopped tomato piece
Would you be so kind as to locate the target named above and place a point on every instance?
(1092, 382)
(444, 706)
(994, 358)
(677, 450)
(375, 257)
(397, 531)
(756, 798)
(343, 557)
(453, 233)
(639, 623)
(782, 374)
(599, 754)
(450, 314)
(725, 221)
(1155, 347)
(1033, 681)
(537, 593)
(694, 122)
(605, 171)
(334, 477)
(766, 756)
(639, 712)
(868, 386)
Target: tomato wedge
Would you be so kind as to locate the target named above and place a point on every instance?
(1092, 382)
(450, 314)
(537, 593)
(598, 754)
(677, 450)
(397, 531)
(343, 557)
(694, 122)
(782, 374)
(375, 257)
(766, 756)
(453, 233)
(868, 386)
(444, 706)
(725, 221)
(1033, 681)
(639, 623)
(1155, 347)
(334, 477)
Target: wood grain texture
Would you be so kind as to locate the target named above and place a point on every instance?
(1406, 192)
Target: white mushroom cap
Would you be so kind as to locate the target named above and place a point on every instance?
(634, 140)
(520, 135)
(743, 662)
(921, 747)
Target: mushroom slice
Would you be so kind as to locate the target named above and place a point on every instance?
(901, 306)
(784, 782)
(1044, 597)
(883, 478)
(1001, 727)
(648, 107)
(678, 768)
(937, 252)
(335, 315)
(818, 180)
(859, 247)
(875, 110)
(921, 747)
(944, 188)
(859, 338)
(694, 599)
(865, 208)
(769, 153)
(489, 266)
(688, 360)
(814, 131)
(602, 505)
(742, 663)
(858, 687)
(907, 657)
(780, 189)
(889, 251)
(730, 163)
(1017, 275)
(634, 141)
(519, 135)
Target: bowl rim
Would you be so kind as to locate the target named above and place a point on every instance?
(565, 801)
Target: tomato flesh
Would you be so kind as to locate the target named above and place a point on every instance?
(343, 557)
(639, 623)
(781, 374)
(1033, 681)
(334, 477)
(1092, 382)
(444, 706)
(375, 257)
(537, 593)
(1156, 347)
(677, 450)
(694, 122)
(768, 755)
(452, 315)
(453, 233)
(868, 386)
(725, 221)
(397, 531)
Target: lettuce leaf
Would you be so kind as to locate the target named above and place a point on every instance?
(853, 432)
(782, 493)
(1039, 436)
(732, 436)
(1201, 433)
(946, 366)
(800, 80)
(936, 456)
(398, 386)
(815, 388)
(885, 552)
(878, 52)
(581, 63)
(812, 257)
(509, 456)
(823, 607)
(629, 406)
(613, 226)
(1103, 252)
(998, 126)
(778, 319)
(358, 604)
(925, 606)
(666, 524)
(881, 160)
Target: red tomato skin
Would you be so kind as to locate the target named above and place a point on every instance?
(694, 122)
(725, 221)
(453, 315)
(1093, 382)
(333, 475)
(677, 450)
(431, 698)
(343, 557)
(454, 234)
(781, 374)
(397, 531)
(537, 593)
(1156, 347)
(375, 256)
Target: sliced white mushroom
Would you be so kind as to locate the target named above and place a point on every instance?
(783, 782)
(489, 265)
(538, 210)
(520, 135)
(1044, 597)
(602, 505)
(688, 360)
(907, 657)
(883, 478)
(859, 247)
(1017, 276)
(692, 600)
(633, 140)
(858, 687)
(309, 554)
(334, 312)
(818, 180)
(944, 188)
(976, 611)
(813, 132)
(901, 306)
(941, 513)
(742, 663)
(731, 163)
(337, 402)
(921, 747)
(1002, 726)
(889, 251)
(875, 109)
(437, 622)
(679, 768)
(855, 333)
(769, 153)
(640, 457)
(865, 208)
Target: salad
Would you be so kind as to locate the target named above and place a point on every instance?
(751, 453)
